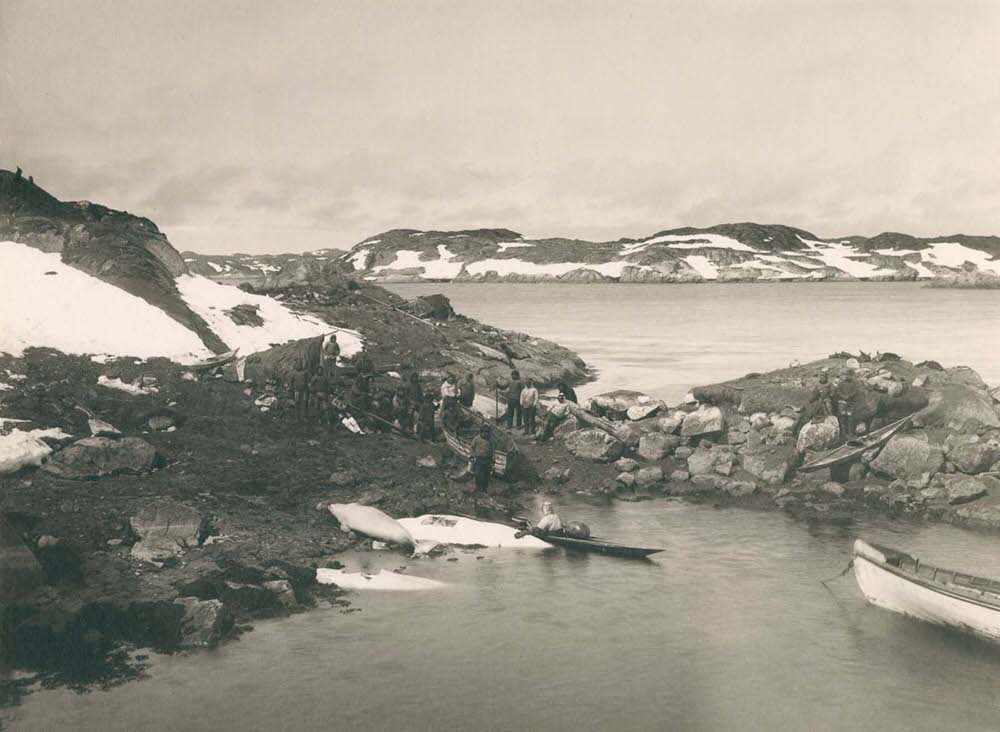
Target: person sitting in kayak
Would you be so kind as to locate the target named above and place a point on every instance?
(550, 521)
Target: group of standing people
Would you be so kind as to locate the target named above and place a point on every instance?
(840, 400)
(523, 401)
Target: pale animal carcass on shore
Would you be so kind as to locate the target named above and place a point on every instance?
(896, 581)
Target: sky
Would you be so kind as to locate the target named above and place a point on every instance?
(272, 127)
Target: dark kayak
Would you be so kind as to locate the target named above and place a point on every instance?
(595, 544)
(853, 449)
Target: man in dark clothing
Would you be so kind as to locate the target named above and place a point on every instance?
(401, 410)
(426, 411)
(514, 415)
(481, 459)
(467, 391)
(298, 385)
(567, 391)
(848, 396)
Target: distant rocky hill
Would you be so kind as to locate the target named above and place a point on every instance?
(744, 252)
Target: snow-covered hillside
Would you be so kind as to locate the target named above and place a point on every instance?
(45, 302)
(726, 253)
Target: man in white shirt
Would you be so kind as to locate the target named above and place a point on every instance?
(550, 520)
(557, 413)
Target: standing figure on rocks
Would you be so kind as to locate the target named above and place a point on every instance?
(298, 384)
(449, 403)
(425, 419)
(481, 458)
(467, 391)
(401, 410)
(529, 404)
(514, 414)
(557, 413)
(363, 364)
(848, 393)
(329, 355)
(822, 401)
(567, 391)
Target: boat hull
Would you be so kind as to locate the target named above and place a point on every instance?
(598, 546)
(893, 589)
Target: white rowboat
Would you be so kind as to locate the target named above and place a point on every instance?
(895, 581)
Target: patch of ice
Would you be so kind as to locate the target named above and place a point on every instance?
(703, 266)
(134, 389)
(954, 254)
(459, 531)
(782, 274)
(211, 300)
(190, 260)
(214, 266)
(77, 313)
(382, 580)
(843, 257)
(5, 387)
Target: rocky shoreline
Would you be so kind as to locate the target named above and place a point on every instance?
(200, 516)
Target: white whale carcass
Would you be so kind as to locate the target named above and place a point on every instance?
(371, 522)
(461, 531)
(381, 580)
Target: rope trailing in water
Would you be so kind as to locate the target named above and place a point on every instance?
(846, 569)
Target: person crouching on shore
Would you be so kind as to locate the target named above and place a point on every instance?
(557, 413)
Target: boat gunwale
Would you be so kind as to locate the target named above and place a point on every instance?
(940, 588)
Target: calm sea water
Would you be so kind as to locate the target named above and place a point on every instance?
(729, 629)
(665, 339)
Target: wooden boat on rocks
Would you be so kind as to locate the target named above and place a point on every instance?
(896, 581)
(853, 449)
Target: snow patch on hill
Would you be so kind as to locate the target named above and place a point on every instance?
(953, 254)
(844, 257)
(703, 266)
(211, 300)
(76, 313)
(689, 241)
(504, 267)
(443, 268)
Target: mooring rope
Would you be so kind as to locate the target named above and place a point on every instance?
(846, 569)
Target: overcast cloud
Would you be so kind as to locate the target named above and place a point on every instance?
(290, 126)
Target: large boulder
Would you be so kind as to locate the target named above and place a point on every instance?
(568, 425)
(594, 444)
(204, 622)
(703, 421)
(20, 572)
(974, 457)
(642, 411)
(649, 476)
(958, 408)
(94, 457)
(908, 456)
(671, 424)
(165, 528)
(965, 489)
(770, 464)
(615, 404)
(655, 445)
(818, 434)
(702, 461)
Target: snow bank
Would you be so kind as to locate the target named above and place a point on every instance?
(460, 531)
(76, 313)
(214, 266)
(844, 257)
(211, 300)
(505, 245)
(505, 267)
(703, 266)
(134, 389)
(21, 448)
(359, 258)
(442, 268)
(383, 580)
(689, 241)
(953, 254)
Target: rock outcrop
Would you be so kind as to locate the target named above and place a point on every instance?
(94, 457)
(165, 529)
